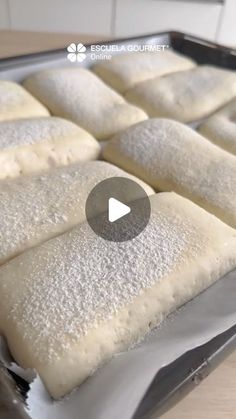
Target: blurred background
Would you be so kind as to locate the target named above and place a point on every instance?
(210, 19)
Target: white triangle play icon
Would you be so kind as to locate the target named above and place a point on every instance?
(116, 210)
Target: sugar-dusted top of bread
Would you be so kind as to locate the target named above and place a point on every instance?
(185, 95)
(30, 131)
(16, 102)
(37, 207)
(79, 95)
(78, 279)
(171, 156)
(124, 71)
(220, 128)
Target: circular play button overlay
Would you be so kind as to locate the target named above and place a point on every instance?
(118, 209)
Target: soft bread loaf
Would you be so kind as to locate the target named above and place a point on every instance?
(187, 95)
(70, 304)
(220, 128)
(124, 71)
(16, 102)
(173, 157)
(36, 144)
(36, 208)
(79, 95)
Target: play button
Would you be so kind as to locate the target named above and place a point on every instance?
(117, 209)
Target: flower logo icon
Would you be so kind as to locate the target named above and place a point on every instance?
(76, 52)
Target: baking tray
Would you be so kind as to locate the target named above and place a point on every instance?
(202, 51)
(169, 386)
(175, 380)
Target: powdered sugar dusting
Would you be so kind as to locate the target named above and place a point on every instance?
(12, 94)
(171, 156)
(31, 131)
(125, 70)
(35, 208)
(79, 95)
(186, 95)
(220, 128)
(77, 280)
(16, 101)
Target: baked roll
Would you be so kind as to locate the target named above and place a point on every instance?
(36, 144)
(220, 128)
(173, 157)
(70, 304)
(124, 71)
(79, 95)
(186, 96)
(16, 102)
(36, 208)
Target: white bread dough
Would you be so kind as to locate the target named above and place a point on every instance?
(79, 95)
(220, 128)
(124, 71)
(68, 305)
(172, 157)
(36, 208)
(187, 95)
(36, 144)
(16, 102)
